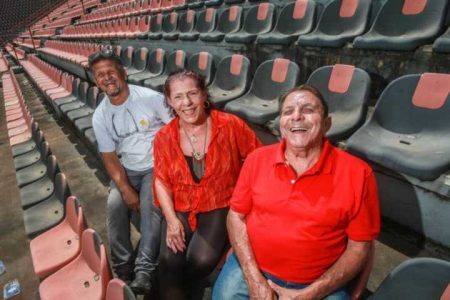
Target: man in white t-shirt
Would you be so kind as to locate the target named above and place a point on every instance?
(125, 124)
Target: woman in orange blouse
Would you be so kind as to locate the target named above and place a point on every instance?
(197, 159)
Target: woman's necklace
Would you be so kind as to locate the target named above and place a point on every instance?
(196, 154)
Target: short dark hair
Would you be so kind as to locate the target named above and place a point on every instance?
(182, 74)
(307, 88)
(105, 54)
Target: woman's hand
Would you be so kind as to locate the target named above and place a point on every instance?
(175, 239)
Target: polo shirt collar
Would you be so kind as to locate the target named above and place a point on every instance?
(324, 165)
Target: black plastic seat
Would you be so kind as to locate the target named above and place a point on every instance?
(414, 279)
(346, 90)
(32, 157)
(260, 104)
(409, 131)
(49, 212)
(155, 27)
(258, 20)
(169, 26)
(41, 189)
(139, 61)
(212, 3)
(186, 24)
(206, 22)
(79, 102)
(442, 43)
(203, 63)
(340, 22)
(229, 2)
(231, 80)
(295, 18)
(155, 66)
(126, 57)
(90, 136)
(175, 61)
(229, 21)
(32, 173)
(196, 4)
(75, 90)
(88, 108)
(36, 139)
(404, 25)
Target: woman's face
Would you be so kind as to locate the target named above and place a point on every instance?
(187, 100)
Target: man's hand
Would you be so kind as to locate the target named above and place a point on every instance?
(289, 294)
(130, 198)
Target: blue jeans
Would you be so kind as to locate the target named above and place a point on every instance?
(231, 284)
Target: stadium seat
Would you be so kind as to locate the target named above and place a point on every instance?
(203, 63)
(229, 22)
(76, 82)
(33, 172)
(79, 102)
(186, 24)
(155, 27)
(175, 61)
(404, 25)
(126, 57)
(86, 277)
(258, 20)
(143, 27)
(88, 108)
(295, 18)
(229, 2)
(409, 129)
(346, 90)
(260, 104)
(139, 61)
(196, 4)
(155, 67)
(206, 22)
(82, 124)
(58, 246)
(340, 22)
(417, 278)
(442, 43)
(90, 136)
(231, 80)
(48, 213)
(169, 25)
(32, 157)
(211, 3)
(29, 145)
(118, 290)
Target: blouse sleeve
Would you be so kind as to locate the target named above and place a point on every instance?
(161, 162)
(247, 141)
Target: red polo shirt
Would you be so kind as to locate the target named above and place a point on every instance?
(298, 227)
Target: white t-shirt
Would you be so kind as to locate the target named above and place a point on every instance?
(129, 128)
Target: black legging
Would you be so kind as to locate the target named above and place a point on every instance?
(182, 275)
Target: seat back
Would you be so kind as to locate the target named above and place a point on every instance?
(230, 20)
(75, 86)
(175, 61)
(187, 21)
(140, 58)
(232, 73)
(273, 78)
(296, 17)
(156, 61)
(170, 22)
(118, 290)
(62, 190)
(206, 21)
(156, 23)
(259, 18)
(75, 215)
(92, 97)
(126, 57)
(83, 91)
(144, 24)
(52, 167)
(44, 150)
(203, 63)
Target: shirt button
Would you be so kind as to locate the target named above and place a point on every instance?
(292, 181)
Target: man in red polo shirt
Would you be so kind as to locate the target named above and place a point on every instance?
(303, 214)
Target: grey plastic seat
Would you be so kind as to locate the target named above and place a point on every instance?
(155, 66)
(126, 57)
(33, 172)
(36, 139)
(346, 90)
(155, 27)
(139, 61)
(231, 80)
(82, 124)
(196, 4)
(49, 212)
(404, 25)
(144, 27)
(340, 22)
(32, 157)
(442, 43)
(258, 20)
(229, 22)
(175, 61)
(169, 26)
(90, 136)
(416, 279)
(88, 108)
(206, 22)
(409, 131)
(76, 84)
(203, 63)
(186, 24)
(295, 18)
(260, 104)
(41, 189)
(79, 102)
(212, 3)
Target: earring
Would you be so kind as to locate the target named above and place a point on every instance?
(207, 104)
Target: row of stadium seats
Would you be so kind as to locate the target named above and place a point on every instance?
(4, 65)
(397, 26)
(69, 257)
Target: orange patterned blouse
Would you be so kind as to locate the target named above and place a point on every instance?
(232, 140)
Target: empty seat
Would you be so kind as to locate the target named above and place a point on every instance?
(186, 24)
(155, 66)
(295, 18)
(86, 277)
(196, 4)
(229, 22)
(27, 159)
(75, 89)
(203, 63)
(169, 25)
(79, 102)
(211, 3)
(155, 27)
(404, 25)
(34, 172)
(417, 278)
(231, 79)
(126, 57)
(48, 213)
(118, 290)
(88, 108)
(82, 124)
(30, 144)
(206, 22)
(139, 61)
(272, 78)
(175, 61)
(143, 27)
(442, 43)
(340, 22)
(409, 131)
(258, 20)
(90, 136)
(346, 91)
(58, 246)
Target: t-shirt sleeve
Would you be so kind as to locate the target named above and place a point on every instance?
(104, 139)
(242, 199)
(161, 163)
(163, 111)
(247, 140)
(365, 224)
